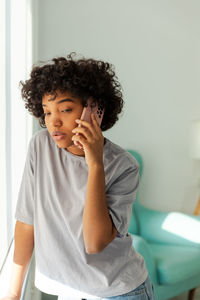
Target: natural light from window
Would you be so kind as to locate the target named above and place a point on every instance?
(183, 226)
(15, 121)
(3, 230)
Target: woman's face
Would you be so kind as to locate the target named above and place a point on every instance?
(60, 115)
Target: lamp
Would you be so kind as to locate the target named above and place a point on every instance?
(195, 151)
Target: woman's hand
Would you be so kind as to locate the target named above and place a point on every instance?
(92, 140)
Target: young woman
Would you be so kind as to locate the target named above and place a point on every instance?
(75, 202)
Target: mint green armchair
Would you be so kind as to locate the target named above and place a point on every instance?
(170, 245)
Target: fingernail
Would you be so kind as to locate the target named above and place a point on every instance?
(77, 121)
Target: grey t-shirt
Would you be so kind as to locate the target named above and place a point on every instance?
(52, 197)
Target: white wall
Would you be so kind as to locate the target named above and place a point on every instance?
(154, 46)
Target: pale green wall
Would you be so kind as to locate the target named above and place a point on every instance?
(154, 46)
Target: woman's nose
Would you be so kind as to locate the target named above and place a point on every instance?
(56, 122)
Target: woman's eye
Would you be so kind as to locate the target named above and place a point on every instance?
(65, 110)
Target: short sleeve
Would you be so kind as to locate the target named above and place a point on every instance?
(25, 203)
(120, 198)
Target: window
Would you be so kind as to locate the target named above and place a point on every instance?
(15, 121)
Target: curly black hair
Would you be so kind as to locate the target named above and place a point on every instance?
(83, 78)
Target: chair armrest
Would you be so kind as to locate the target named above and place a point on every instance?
(142, 247)
(173, 228)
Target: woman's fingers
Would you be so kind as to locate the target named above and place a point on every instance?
(83, 131)
(88, 129)
(89, 125)
(80, 138)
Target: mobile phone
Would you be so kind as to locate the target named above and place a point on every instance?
(94, 108)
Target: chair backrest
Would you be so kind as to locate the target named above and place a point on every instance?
(134, 223)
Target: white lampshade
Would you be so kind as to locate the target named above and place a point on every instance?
(195, 140)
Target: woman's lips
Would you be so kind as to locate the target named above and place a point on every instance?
(58, 137)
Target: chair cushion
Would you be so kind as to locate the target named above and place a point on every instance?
(170, 228)
(175, 263)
